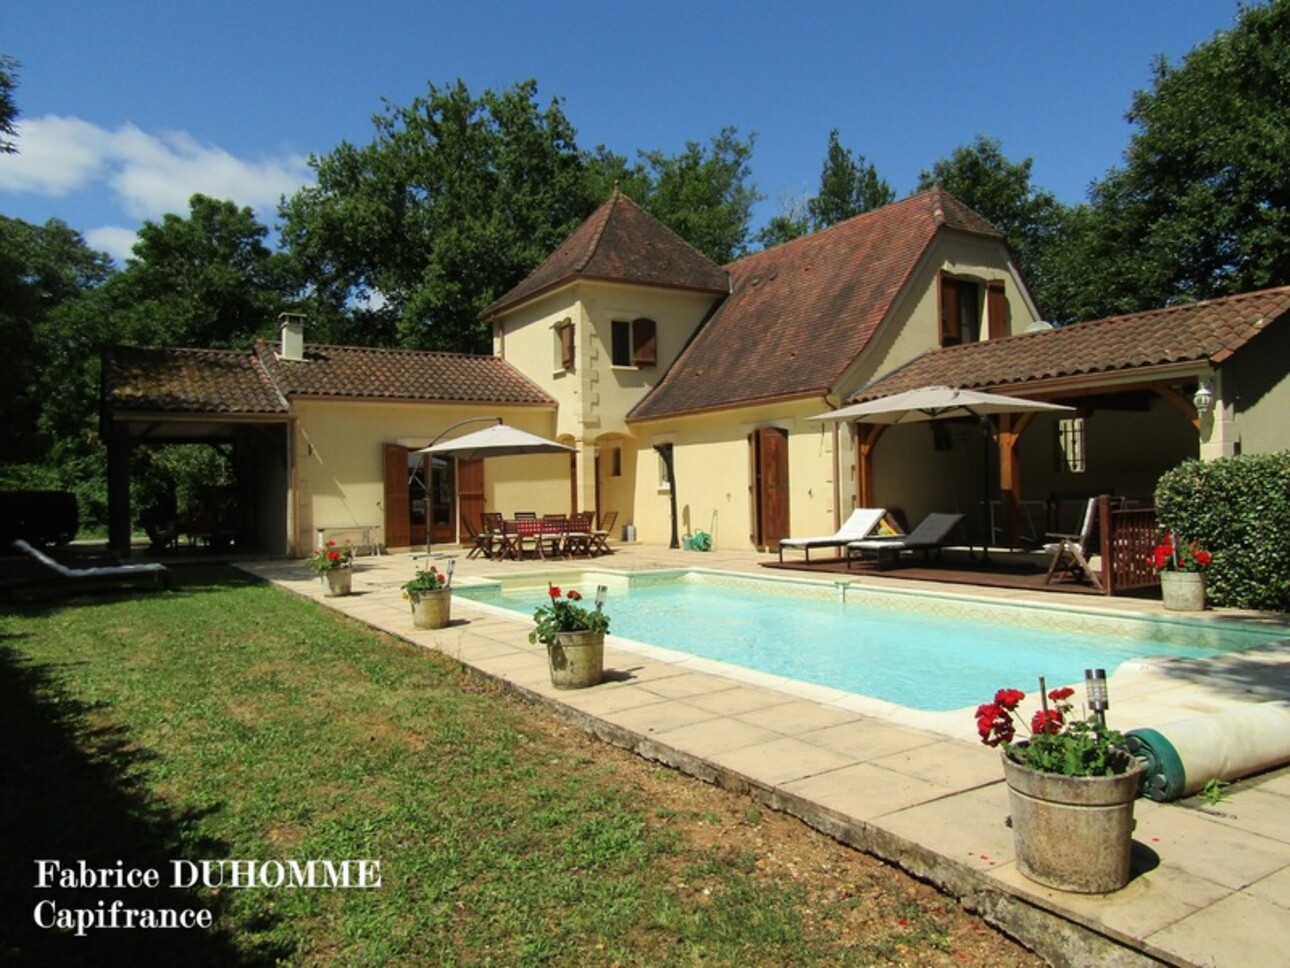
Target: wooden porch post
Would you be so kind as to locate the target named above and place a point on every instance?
(866, 439)
(118, 488)
(1010, 431)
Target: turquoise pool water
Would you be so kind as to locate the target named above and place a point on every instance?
(922, 651)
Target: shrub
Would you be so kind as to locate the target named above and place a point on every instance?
(1238, 508)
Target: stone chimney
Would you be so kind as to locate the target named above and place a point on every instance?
(292, 328)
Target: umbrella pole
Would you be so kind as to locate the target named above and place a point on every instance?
(987, 517)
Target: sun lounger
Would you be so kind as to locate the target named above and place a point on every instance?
(153, 572)
(929, 536)
(859, 525)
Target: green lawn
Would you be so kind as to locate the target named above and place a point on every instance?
(228, 719)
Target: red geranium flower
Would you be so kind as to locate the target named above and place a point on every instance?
(1046, 721)
(574, 594)
(1009, 698)
(1057, 695)
(553, 591)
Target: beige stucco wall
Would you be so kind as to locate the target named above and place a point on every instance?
(595, 396)
(712, 465)
(913, 327)
(339, 472)
(1253, 390)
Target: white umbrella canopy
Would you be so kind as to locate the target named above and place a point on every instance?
(936, 403)
(500, 440)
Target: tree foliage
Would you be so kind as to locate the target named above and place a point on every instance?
(456, 199)
(849, 186)
(1201, 207)
(704, 194)
(982, 177)
(8, 105)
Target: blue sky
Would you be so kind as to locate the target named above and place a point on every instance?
(129, 108)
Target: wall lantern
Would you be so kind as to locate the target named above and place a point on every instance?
(1204, 398)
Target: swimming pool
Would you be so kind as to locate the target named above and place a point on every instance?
(925, 651)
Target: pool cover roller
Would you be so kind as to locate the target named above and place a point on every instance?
(1182, 757)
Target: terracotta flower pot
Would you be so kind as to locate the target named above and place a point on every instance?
(1073, 833)
(577, 659)
(431, 610)
(337, 582)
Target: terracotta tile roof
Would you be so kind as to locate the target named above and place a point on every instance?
(396, 374)
(620, 242)
(258, 382)
(188, 381)
(799, 314)
(1208, 331)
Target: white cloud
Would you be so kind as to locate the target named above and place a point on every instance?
(146, 175)
(114, 240)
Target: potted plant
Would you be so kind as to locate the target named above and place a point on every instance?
(430, 594)
(574, 636)
(1071, 788)
(1182, 573)
(334, 564)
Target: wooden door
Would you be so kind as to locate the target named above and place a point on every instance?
(397, 514)
(769, 458)
(470, 491)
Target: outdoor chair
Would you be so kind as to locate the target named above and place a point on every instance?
(153, 573)
(525, 515)
(600, 535)
(859, 525)
(1070, 552)
(528, 535)
(481, 541)
(579, 538)
(930, 535)
(555, 528)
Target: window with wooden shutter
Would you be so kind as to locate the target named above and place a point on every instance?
(996, 308)
(960, 311)
(644, 343)
(566, 346)
(950, 335)
(621, 343)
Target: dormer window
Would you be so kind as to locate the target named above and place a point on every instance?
(960, 311)
(634, 343)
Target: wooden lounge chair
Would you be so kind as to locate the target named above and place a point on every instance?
(1070, 552)
(859, 525)
(481, 542)
(930, 535)
(578, 540)
(600, 535)
(152, 573)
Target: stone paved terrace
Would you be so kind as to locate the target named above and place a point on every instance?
(1211, 885)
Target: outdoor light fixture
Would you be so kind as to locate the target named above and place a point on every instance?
(1204, 398)
(1098, 699)
(452, 566)
(602, 592)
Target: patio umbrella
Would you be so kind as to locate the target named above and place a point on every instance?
(935, 403)
(941, 403)
(499, 440)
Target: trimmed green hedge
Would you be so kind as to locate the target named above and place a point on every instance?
(1237, 508)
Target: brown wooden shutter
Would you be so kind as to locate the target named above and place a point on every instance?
(398, 526)
(996, 307)
(951, 313)
(772, 486)
(644, 348)
(470, 491)
(566, 346)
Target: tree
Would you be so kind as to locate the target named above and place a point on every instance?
(704, 194)
(1201, 207)
(848, 187)
(455, 200)
(205, 280)
(8, 106)
(43, 269)
(1001, 191)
